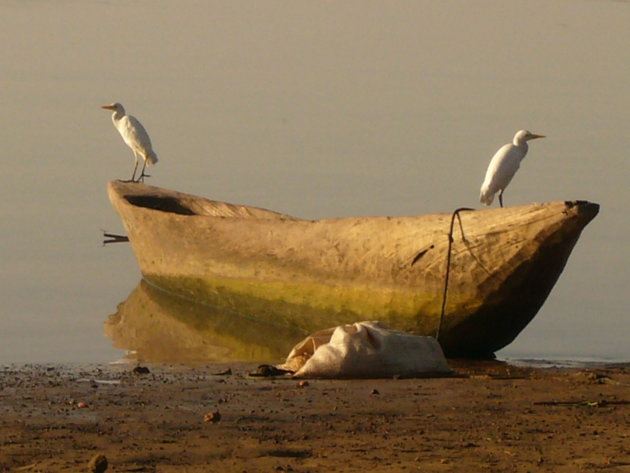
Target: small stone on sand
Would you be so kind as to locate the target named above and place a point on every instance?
(98, 464)
(213, 417)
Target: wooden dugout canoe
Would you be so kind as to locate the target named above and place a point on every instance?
(311, 275)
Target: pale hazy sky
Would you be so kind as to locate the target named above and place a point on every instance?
(312, 108)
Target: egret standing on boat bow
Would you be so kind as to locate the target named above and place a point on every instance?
(504, 165)
(135, 136)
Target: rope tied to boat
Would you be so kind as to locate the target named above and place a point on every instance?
(448, 263)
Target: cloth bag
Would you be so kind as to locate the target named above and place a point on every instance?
(365, 350)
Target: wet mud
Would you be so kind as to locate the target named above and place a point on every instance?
(488, 417)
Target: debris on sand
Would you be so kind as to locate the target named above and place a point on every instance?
(226, 372)
(141, 370)
(98, 464)
(213, 417)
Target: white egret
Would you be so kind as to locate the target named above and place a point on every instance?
(135, 136)
(504, 165)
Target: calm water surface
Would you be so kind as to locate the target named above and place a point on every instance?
(309, 108)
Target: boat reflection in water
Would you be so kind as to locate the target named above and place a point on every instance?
(157, 327)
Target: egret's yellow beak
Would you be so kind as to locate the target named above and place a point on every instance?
(108, 107)
(533, 137)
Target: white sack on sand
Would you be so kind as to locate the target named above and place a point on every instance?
(365, 350)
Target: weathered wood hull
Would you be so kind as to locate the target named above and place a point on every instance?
(315, 274)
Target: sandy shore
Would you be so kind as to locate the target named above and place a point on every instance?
(490, 417)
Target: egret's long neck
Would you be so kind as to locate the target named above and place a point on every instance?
(521, 143)
(117, 115)
(524, 146)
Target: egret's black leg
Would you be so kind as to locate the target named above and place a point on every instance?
(501, 197)
(142, 174)
(135, 167)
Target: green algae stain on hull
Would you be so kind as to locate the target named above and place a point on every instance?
(308, 307)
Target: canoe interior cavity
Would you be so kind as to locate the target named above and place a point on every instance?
(162, 203)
